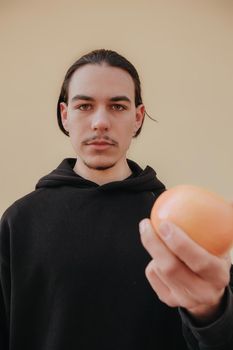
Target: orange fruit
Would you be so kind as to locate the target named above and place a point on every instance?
(205, 216)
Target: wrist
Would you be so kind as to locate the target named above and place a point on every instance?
(206, 314)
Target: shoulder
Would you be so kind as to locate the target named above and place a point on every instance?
(23, 203)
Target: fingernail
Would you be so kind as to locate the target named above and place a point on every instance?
(143, 225)
(165, 229)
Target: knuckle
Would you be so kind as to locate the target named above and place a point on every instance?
(171, 302)
(168, 270)
(209, 298)
(149, 271)
(167, 299)
(206, 299)
(223, 281)
(212, 299)
(179, 247)
(200, 266)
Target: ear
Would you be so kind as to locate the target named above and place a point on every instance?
(63, 112)
(140, 114)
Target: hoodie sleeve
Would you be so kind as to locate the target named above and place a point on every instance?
(216, 336)
(5, 283)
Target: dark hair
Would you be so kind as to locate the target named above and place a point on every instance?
(112, 59)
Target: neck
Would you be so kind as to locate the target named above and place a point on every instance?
(117, 172)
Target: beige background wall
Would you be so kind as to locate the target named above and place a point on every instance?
(183, 51)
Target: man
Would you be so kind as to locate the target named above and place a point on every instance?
(72, 261)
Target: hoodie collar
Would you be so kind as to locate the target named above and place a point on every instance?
(139, 180)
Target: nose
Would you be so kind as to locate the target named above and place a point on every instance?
(100, 120)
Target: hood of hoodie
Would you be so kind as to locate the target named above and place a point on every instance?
(140, 180)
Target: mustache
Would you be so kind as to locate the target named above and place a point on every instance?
(100, 138)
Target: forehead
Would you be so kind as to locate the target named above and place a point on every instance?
(101, 81)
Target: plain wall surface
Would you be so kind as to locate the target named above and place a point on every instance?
(183, 51)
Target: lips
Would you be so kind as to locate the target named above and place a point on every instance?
(100, 143)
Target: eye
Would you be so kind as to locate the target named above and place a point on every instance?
(118, 107)
(84, 107)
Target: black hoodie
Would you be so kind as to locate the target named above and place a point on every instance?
(73, 268)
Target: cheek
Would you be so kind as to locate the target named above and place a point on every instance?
(126, 134)
(128, 129)
(75, 125)
(75, 131)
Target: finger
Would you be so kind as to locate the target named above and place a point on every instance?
(150, 240)
(171, 270)
(171, 241)
(187, 294)
(162, 291)
(193, 255)
(187, 287)
(166, 261)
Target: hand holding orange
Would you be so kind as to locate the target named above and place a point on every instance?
(205, 216)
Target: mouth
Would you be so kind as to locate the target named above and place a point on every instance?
(100, 144)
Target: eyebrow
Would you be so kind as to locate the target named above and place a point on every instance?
(120, 98)
(89, 98)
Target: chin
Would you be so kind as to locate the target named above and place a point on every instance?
(99, 165)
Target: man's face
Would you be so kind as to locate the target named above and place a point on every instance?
(100, 115)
